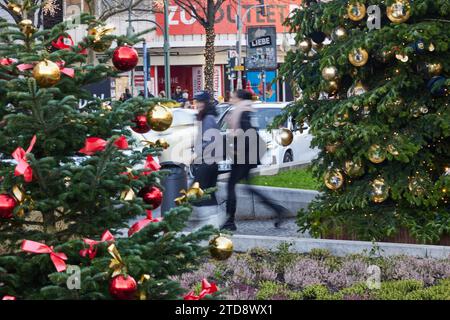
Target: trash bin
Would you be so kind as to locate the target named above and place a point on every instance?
(173, 183)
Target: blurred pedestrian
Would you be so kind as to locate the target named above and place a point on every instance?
(162, 94)
(243, 125)
(205, 164)
(178, 94)
(126, 95)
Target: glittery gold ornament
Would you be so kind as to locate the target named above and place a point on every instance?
(380, 190)
(358, 57)
(356, 11)
(46, 73)
(434, 68)
(418, 184)
(341, 118)
(339, 34)
(305, 45)
(284, 137)
(27, 28)
(399, 11)
(160, 118)
(128, 195)
(333, 179)
(353, 169)
(99, 44)
(221, 247)
(330, 73)
(376, 154)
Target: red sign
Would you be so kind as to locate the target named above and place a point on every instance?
(181, 22)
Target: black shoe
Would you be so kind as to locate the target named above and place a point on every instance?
(229, 225)
(282, 213)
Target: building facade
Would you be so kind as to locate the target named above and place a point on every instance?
(187, 40)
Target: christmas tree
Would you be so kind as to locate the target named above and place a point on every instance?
(374, 88)
(70, 176)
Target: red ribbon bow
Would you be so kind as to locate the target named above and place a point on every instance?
(23, 168)
(63, 42)
(93, 145)
(56, 257)
(142, 223)
(66, 43)
(207, 288)
(92, 250)
(67, 71)
(8, 298)
(151, 164)
(7, 61)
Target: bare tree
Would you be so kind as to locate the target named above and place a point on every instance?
(204, 11)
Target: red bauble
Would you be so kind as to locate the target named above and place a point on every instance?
(7, 205)
(123, 287)
(142, 125)
(152, 196)
(125, 58)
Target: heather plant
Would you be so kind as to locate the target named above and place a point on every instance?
(305, 272)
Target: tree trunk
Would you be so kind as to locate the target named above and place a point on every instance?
(210, 57)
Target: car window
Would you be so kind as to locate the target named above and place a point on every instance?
(264, 117)
(182, 117)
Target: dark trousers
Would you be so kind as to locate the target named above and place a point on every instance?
(242, 172)
(206, 176)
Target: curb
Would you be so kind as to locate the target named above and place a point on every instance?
(250, 208)
(243, 243)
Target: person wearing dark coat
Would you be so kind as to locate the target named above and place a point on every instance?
(206, 168)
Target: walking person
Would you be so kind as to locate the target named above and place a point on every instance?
(242, 117)
(206, 168)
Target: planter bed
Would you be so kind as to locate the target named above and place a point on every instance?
(281, 274)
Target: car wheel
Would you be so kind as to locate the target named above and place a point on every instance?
(288, 157)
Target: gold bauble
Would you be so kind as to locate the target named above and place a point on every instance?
(434, 69)
(159, 118)
(399, 11)
(357, 89)
(221, 247)
(330, 73)
(356, 11)
(46, 73)
(332, 147)
(284, 137)
(332, 87)
(98, 32)
(305, 45)
(333, 179)
(392, 150)
(358, 57)
(376, 154)
(380, 190)
(353, 169)
(339, 34)
(27, 28)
